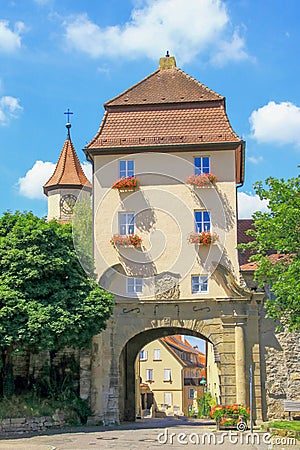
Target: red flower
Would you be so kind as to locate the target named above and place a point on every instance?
(202, 180)
(126, 183)
(203, 238)
(131, 240)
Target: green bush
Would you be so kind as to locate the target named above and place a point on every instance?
(205, 404)
(293, 425)
(75, 410)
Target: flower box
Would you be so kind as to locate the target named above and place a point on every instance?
(230, 416)
(203, 238)
(232, 423)
(130, 240)
(202, 180)
(127, 184)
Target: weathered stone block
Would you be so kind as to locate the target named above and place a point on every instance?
(18, 421)
(5, 422)
(48, 424)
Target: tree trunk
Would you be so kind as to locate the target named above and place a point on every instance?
(8, 385)
(52, 374)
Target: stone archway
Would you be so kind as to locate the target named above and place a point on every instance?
(231, 326)
(127, 403)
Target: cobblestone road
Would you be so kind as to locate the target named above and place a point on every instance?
(172, 433)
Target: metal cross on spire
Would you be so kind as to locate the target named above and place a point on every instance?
(68, 125)
(68, 113)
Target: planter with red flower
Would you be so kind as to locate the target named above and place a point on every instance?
(130, 240)
(204, 238)
(202, 180)
(126, 184)
(230, 416)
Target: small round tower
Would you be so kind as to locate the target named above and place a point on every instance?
(66, 182)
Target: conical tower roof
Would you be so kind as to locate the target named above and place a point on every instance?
(68, 172)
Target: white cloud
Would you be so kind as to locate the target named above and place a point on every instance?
(276, 123)
(9, 108)
(88, 170)
(248, 204)
(31, 185)
(10, 39)
(255, 159)
(185, 28)
(233, 50)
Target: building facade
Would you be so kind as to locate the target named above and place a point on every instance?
(165, 242)
(172, 369)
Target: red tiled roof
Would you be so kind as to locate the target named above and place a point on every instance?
(165, 86)
(68, 170)
(175, 342)
(166, 109)
(242, 238)
(251, 266)
(164, 126)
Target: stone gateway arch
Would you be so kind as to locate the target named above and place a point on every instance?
(166, 168)
(232, 330)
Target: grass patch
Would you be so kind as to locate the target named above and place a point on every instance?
(75, 410)
(26, 406)
(293, 425)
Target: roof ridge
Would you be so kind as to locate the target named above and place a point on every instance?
(64, 157)
(229, 124)
(132, 87)
(134, 94)
(102, 123)
(199, 83)
(177, 342)
(172, 351)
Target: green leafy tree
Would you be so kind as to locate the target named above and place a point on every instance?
(46, 299)
(82, 223)
(278, 231)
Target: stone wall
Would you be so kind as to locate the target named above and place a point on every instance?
(280, 361)
(29, 367)
(19, 425)
(282, 368)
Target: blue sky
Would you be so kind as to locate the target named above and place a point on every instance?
(75, 54)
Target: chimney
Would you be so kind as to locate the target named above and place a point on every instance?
(168, 62)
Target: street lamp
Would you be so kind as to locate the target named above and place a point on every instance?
(203, 383)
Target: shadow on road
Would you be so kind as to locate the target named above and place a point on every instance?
(140, 424)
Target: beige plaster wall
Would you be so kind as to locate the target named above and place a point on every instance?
(159, 386)
(213, 372)
(164, 207)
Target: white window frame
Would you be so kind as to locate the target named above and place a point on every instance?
(167, 374)
(168, 398)
(156, 354)
(189, 395)
(203, 224)
(149, 375)
(124, 169)
(126, 223)
(203, 168)
(134, 285)
(143, 355)
(202, 283)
